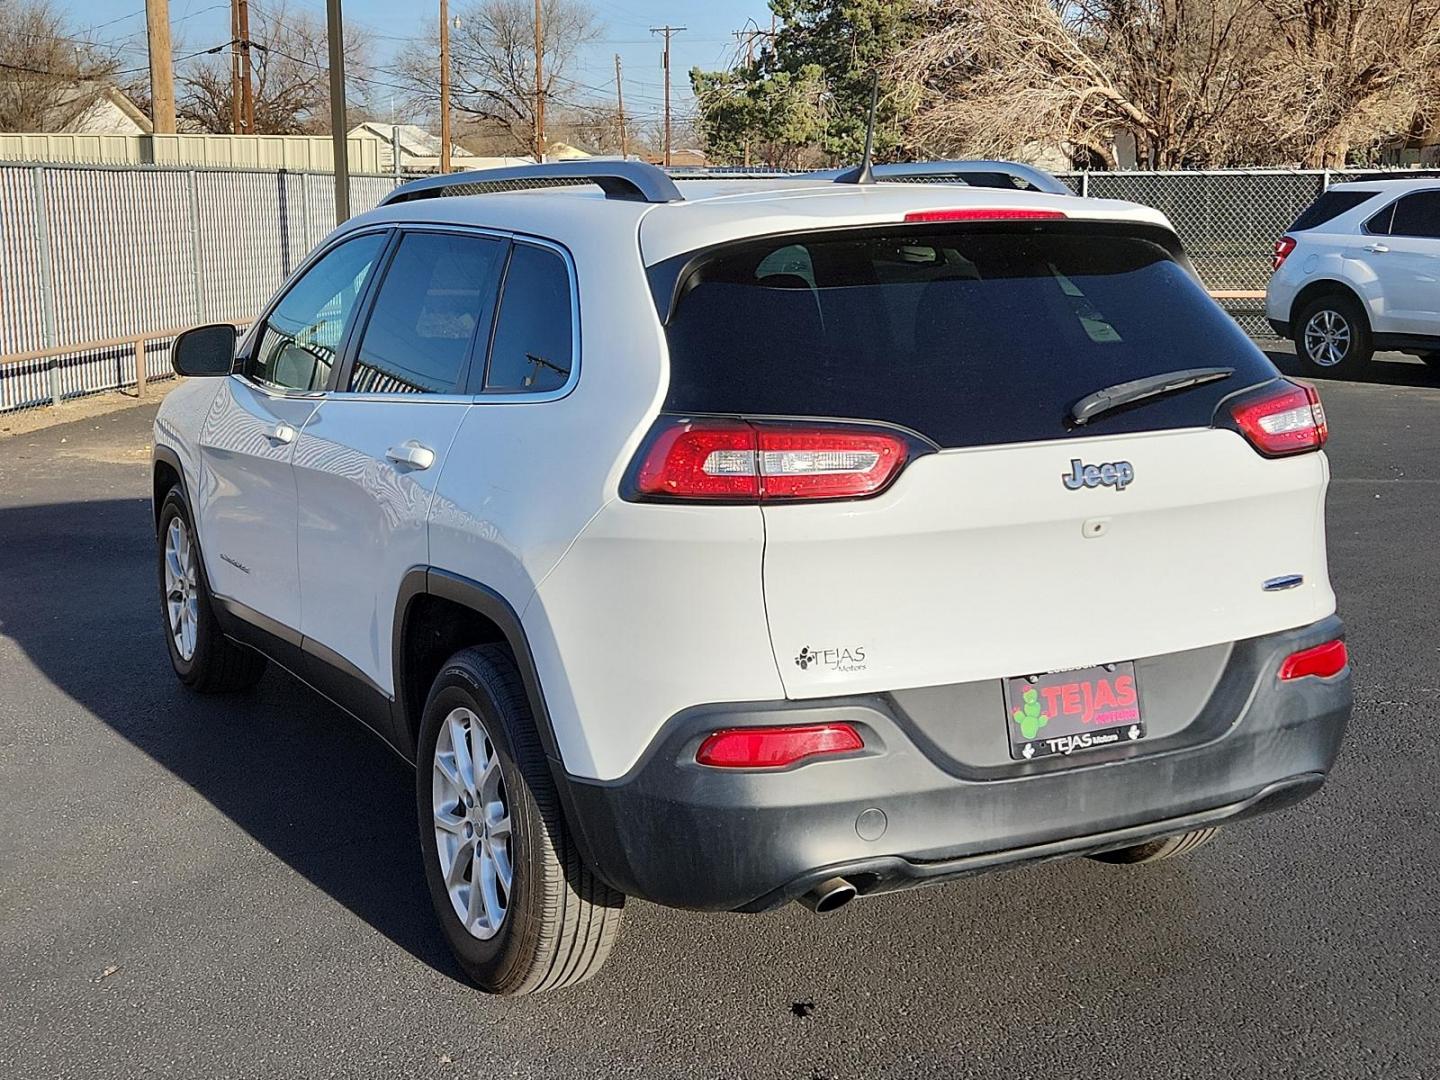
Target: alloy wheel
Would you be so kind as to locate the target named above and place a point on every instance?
(472, 824)
(1327, 338)
(182, 594)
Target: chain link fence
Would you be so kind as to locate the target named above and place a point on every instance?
(127, 255)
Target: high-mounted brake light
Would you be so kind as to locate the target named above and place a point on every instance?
(1321, 661)
(1281, 421)
(983, 213)
(776, 747)
(754, 461)
(1283, 247)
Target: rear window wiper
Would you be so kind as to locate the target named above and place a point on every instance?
(1127, 393)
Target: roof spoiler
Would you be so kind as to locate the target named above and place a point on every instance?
(634, 181)
(997, 174)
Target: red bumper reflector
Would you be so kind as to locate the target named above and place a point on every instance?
(983, 213)
(1322, 661)
(776, 747)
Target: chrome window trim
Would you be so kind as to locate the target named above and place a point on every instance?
(518, 397)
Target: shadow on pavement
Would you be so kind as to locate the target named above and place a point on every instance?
(292, 770)
(1383, 371)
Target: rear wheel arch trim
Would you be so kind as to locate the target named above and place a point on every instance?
(486, 602)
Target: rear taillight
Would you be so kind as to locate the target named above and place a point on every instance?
(735, 460)
(1321, 661)
(776, 747)
(984, 213)
(1284, 418)
(1283, 247)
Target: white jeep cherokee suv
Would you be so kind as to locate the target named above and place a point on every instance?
(1359, 271)
(775, 541)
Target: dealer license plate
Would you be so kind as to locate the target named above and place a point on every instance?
(1064, 712)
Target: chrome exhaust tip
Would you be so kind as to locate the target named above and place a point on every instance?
(828, 896)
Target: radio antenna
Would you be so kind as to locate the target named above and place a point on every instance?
(861, 174)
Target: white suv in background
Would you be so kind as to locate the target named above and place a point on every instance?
(773, 541)
(1359, 271)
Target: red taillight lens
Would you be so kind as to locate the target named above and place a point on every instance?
(740, 461)
(1322, 661)
(1283, 247)
(983, 213)
(1286, 420)
(702, 459)
(776, 747)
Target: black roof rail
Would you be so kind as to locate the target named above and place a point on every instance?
(632, 180)
(998, 174)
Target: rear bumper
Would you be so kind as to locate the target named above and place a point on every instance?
(1281, 328)
(901, 814)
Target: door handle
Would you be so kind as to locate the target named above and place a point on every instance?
(412, 455)
(282, 433)
(1378, 249)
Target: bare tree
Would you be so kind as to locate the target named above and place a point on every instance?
(1348, 73)
(48, 76)
(291, 70)
(996, 76)
(492, 56)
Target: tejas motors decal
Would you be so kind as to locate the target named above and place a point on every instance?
(849, 659)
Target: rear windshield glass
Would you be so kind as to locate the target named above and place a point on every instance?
(968, 337)
(1330, 205)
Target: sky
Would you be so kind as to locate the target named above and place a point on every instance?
(707, 41)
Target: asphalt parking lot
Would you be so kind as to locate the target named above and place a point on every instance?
(208, 887)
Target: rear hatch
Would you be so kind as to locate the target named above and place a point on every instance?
(1016, 535)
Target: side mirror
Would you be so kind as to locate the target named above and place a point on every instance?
(204, 351)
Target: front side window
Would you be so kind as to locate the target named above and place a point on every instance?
(1417, 215)
(534, 344)
(298, 343)
(437, 297)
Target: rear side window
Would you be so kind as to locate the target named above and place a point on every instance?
(970, 337)
(1417, 215)
(1329, 206)
(436, 298)
(534, 334)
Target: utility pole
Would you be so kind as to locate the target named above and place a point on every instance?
(235, 115)
(444, 87)
(667, 30)
(539, 85)
(162, 66)
(620, 108)
(336, 32)
(247, 87)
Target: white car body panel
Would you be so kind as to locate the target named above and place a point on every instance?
(652, 610)
(977, 563)
(246, 498)
(362, 518)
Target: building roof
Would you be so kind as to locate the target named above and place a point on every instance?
(414, 140)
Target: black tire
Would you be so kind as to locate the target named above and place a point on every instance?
(1159, 850)
(1342, 315)
(216, 665)
(560, 920)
